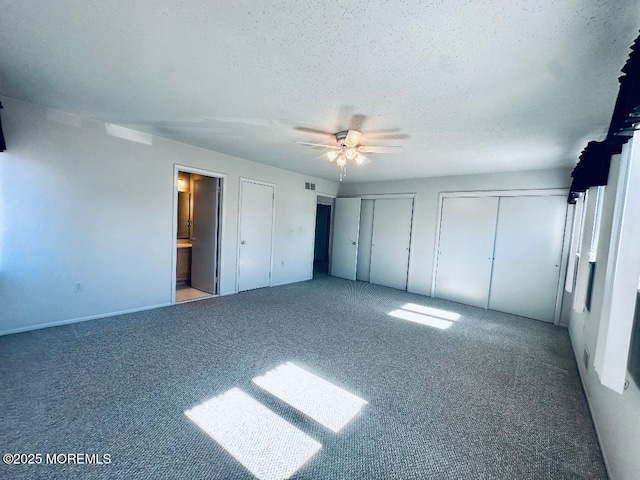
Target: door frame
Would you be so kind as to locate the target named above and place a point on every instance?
(549, 192)
(315, 217)
(241, 180)
(221, 222)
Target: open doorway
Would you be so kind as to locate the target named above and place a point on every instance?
(324, 207)
(198, 222)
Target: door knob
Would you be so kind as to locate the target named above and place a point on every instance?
(243, 242)
(353, 243)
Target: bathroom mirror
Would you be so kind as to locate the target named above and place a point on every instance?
(183, 214)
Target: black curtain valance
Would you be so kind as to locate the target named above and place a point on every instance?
(3, 146)
(593, 168)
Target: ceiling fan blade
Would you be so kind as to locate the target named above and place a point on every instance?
(314, 130)
(379, 149)
(357, 121)
(364, 160)
(353, 137)
(310, 144)
(383, 130)
(390, 136)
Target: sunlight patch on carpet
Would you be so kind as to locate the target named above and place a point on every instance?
(434, 312)
(432, 317)
(266, 444)
(311, 395)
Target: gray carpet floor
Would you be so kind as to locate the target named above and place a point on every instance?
(494, 396)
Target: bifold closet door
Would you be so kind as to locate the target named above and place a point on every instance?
(390, 242)
(528, 252)
(346, 228)
(465, 249)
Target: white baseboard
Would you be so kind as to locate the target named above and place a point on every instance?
(586, 394)
(291, 281)
(419, 292)
(81, 319)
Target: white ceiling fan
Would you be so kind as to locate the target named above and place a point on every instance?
(348, 147)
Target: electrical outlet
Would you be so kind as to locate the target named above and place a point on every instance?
(77, 287)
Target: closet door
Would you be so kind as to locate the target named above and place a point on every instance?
(346, 228)
(256, 230)
(528, 250)
(390, 242)
(364, 241)
(465, 249)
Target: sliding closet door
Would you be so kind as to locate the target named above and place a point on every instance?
(465, 249)
(390, 242)
(364, 241)
(528, 250)
(346, 227)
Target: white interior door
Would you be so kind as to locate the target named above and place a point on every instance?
(390, 242)
(465, 249)
(256, 231)
(346, 228)
(364, 241)
(204, 237)
(528, 250)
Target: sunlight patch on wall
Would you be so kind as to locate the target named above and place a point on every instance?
(128, 134)
(314, 396)
(267, 445)
(432, 317)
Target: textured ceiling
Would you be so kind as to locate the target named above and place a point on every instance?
(477, 86)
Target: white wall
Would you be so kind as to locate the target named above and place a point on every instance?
(427, 192)
(79, 205)
(617, 417)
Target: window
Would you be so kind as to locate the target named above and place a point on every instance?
(615, 349)
(634, 348)
(576, 241)
(585, 257)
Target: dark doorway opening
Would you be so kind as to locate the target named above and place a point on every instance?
(323, 229)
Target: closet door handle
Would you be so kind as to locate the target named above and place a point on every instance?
(353, 243)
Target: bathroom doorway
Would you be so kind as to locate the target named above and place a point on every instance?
(198, 220)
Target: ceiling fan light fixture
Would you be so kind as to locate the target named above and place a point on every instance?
(350, 153)
(347, 147)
